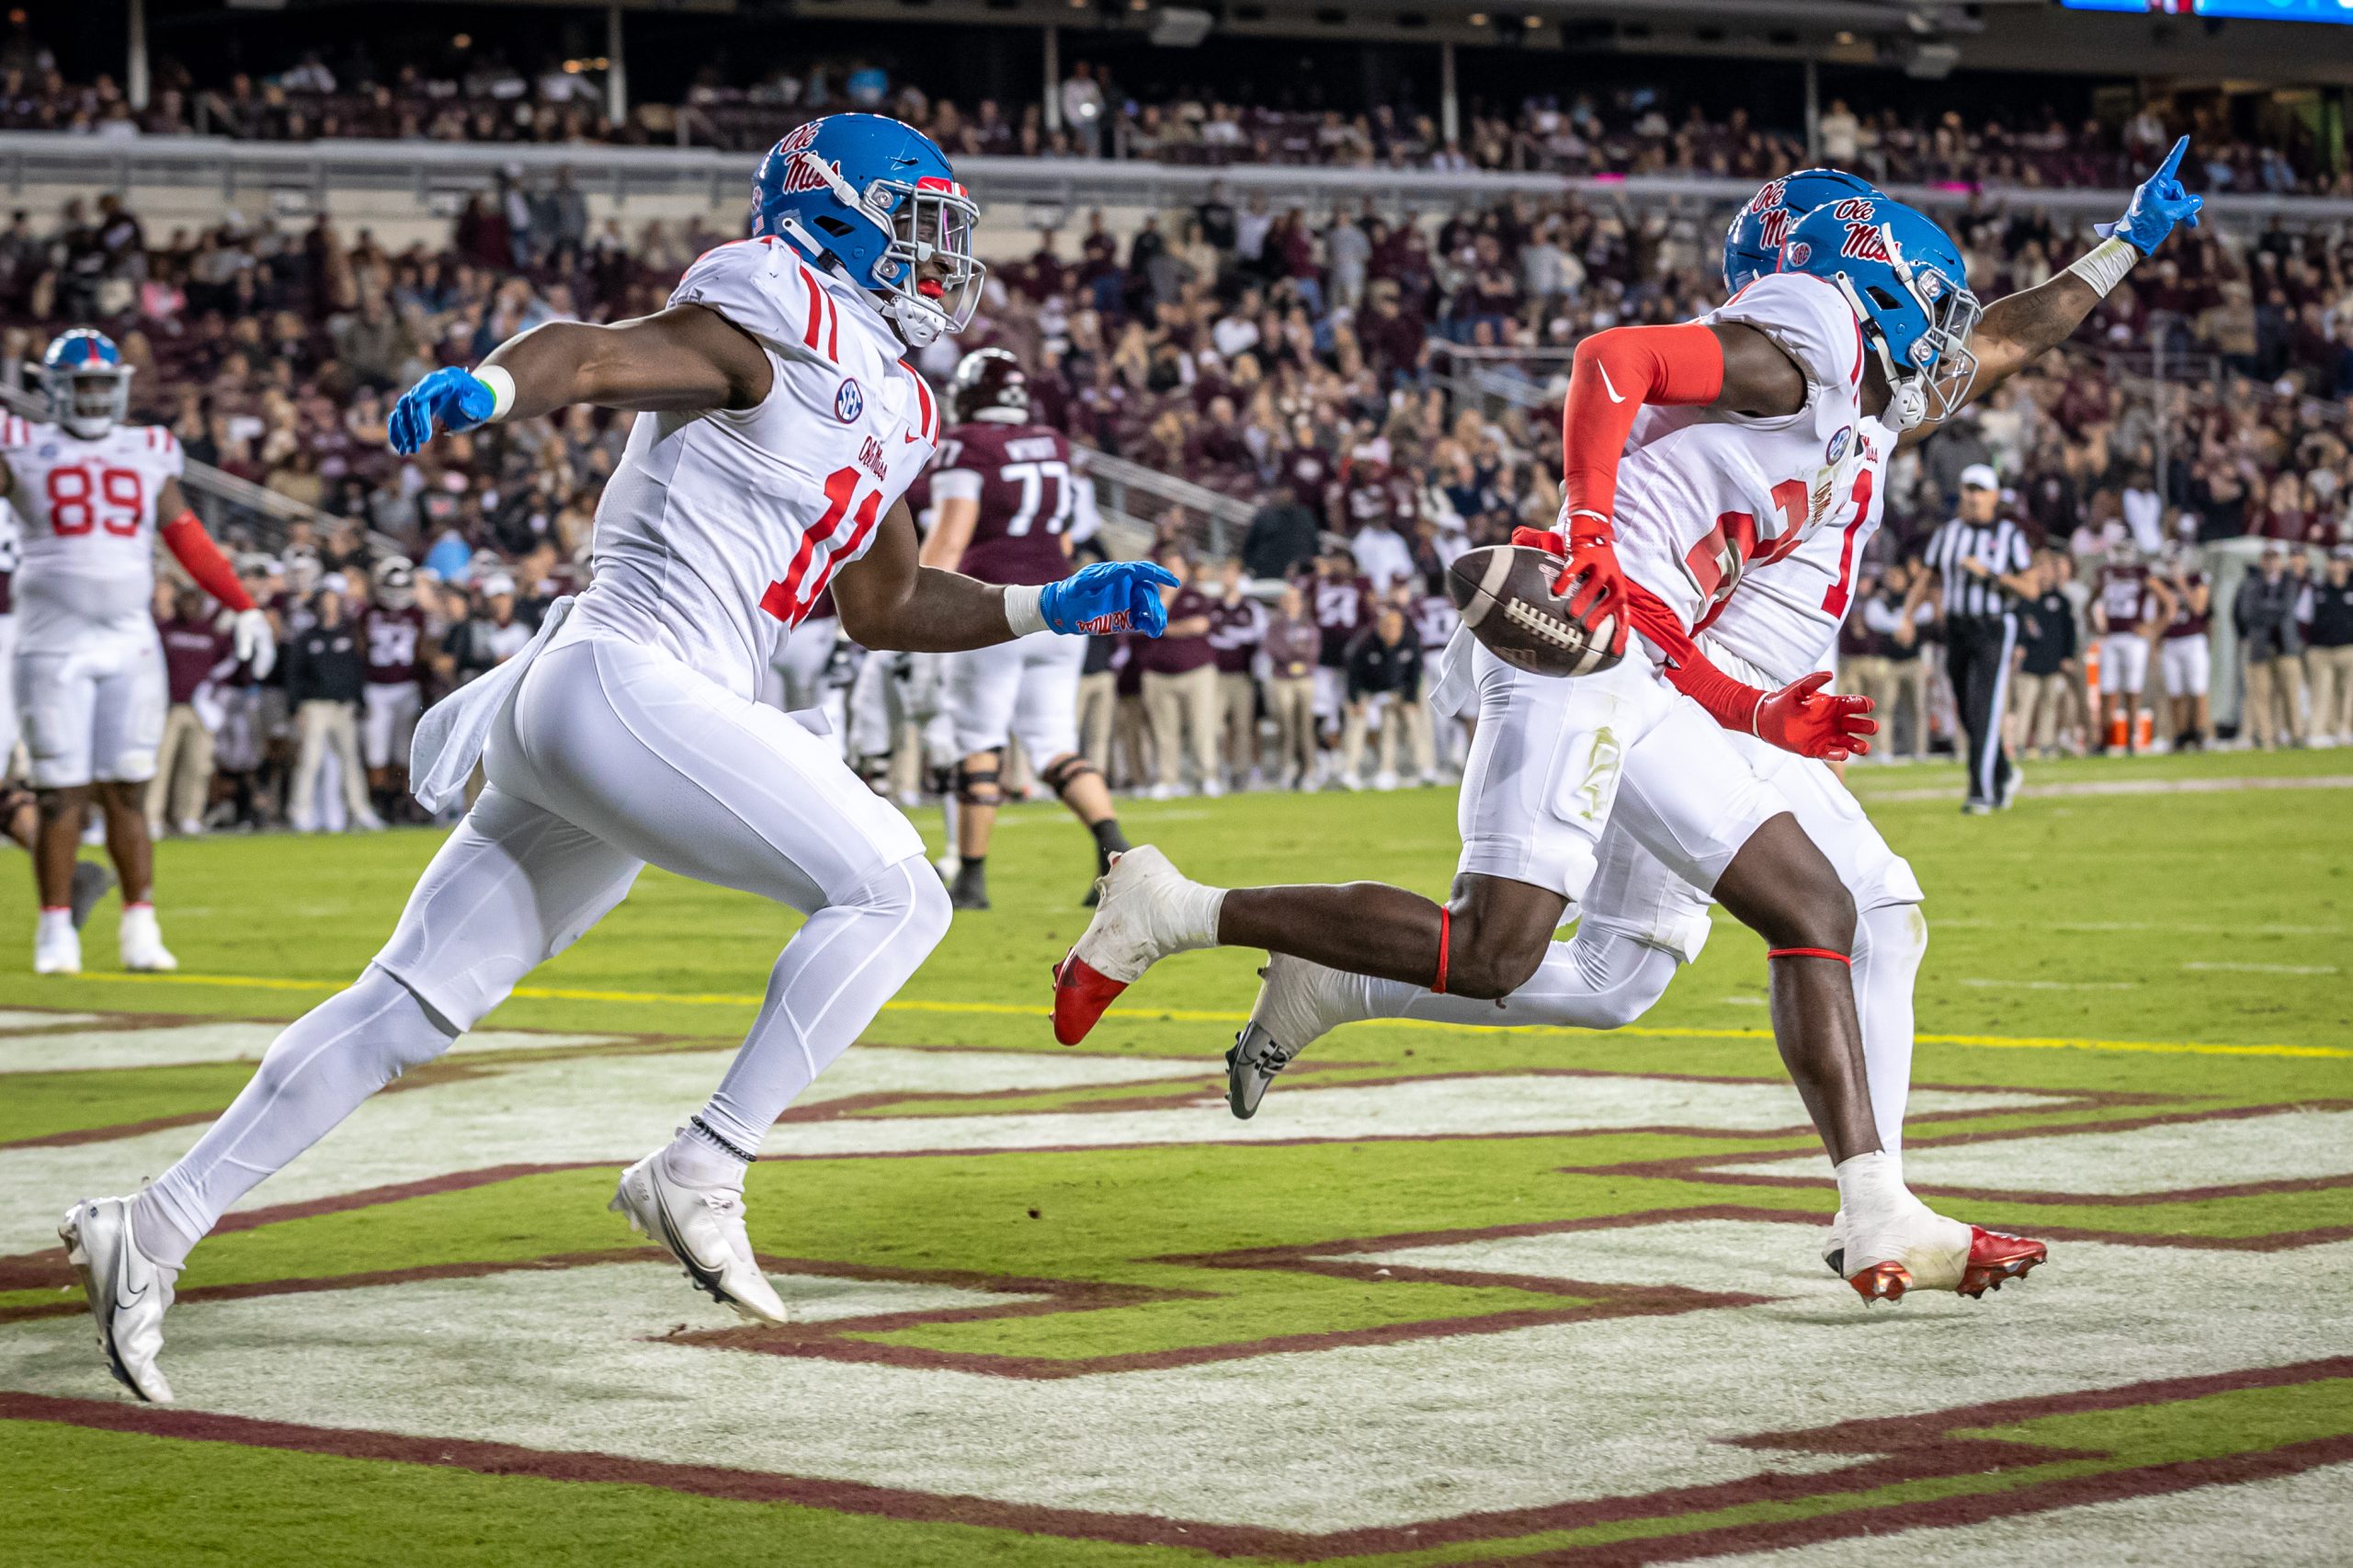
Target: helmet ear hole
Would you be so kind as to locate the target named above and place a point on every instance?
(836, 227)
(1883, 297)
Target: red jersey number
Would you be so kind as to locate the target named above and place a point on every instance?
(790, 598)
(83, 498)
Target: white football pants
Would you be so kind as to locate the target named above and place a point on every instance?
(610, 755)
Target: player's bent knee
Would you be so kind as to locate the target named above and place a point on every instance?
(1490, 959)
(1628, 975)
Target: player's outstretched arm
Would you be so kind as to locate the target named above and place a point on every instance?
(684, 358)
(888, 600)
(2020, 328)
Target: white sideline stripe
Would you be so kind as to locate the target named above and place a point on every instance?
(2106, 787)
(2300, 1145)
(2264, 968)
(1987, 984)
(12, 1018)
(2178, 927)
(184, 1044)
(614, 1108)
(1368, 1435)
(2292, 1521)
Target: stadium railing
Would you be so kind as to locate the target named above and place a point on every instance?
(1047, 187)
(223, 500)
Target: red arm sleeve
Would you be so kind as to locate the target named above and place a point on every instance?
(1731, 703)
(184, 537)
(1616, 372)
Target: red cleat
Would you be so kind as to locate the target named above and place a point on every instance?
(1143, 911)
(1081, 994)
(1881, 1282)
(1996, 1257)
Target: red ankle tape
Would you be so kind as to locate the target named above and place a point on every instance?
(1445, 941)
(1809, 953)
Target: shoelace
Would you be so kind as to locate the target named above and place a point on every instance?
(1274, 1059)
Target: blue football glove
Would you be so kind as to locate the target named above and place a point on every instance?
(1107, 597)
(2157, 205)
(457, 399)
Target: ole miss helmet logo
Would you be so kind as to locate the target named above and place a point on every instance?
(849, 402)
(1799, 252)
(1864, 242)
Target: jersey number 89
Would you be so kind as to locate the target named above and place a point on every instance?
(82, 498)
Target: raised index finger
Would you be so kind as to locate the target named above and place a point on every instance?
(2173, 159)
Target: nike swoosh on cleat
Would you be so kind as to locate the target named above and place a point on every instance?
(1607, 385)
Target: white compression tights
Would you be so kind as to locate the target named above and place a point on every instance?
(1605, 979)
(827, 985)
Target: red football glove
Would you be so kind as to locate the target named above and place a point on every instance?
(1596, 586)
(1804, 719)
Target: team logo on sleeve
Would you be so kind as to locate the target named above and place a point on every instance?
(849, 402)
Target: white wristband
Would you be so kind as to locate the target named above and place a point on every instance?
(1022, 614)
(502, 389)
(2104, 265)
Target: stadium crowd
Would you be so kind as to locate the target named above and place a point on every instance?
(486, 98)
(1314, 367)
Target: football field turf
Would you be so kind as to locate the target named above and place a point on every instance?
(1453, 1297)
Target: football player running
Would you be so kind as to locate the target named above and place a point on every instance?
(1004, 498)
(90, 689)
(777, 428)
(1641, 920)
(1550, 766)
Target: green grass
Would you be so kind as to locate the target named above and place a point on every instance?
(2066, 936)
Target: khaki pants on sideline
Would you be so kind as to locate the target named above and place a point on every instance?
(322, 726)
(182, 786)
(2331, 670)
(1238, 696)
(1293, 701)
(1096, 694)
(2274, 701)
(1183, 707)
(1396, 719)
(2036, 703)
(1911, 678)
(1130, 742)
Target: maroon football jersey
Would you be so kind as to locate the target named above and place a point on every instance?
(1020, 475)
(2124, 595)
(2186, 622)
(1366, 495)
(1340, 606)
(395, 644)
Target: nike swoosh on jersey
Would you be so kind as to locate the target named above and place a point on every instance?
(1606, 384)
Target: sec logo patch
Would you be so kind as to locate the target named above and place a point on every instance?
(1838, 448)
(849, 402)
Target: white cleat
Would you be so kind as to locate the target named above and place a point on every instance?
(702, 1227)
(1145, 910)
(1298, 1004)
(368, 822)
(128, 1292)
(57, 947)
(141, 941)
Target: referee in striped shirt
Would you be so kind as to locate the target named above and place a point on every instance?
(1981, 566)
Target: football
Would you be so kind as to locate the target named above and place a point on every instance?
(1505, 593)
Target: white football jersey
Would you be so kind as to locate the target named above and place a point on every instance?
(718, 527)
(1784, 622)
(87, 510)
(1703, 496)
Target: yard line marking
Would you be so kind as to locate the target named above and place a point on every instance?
(2266, 929)
(1196, 1016)
(2266, 967)
(1989, 985)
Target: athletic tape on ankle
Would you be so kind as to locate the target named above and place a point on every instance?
(1809, 953)
(1445, 941)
